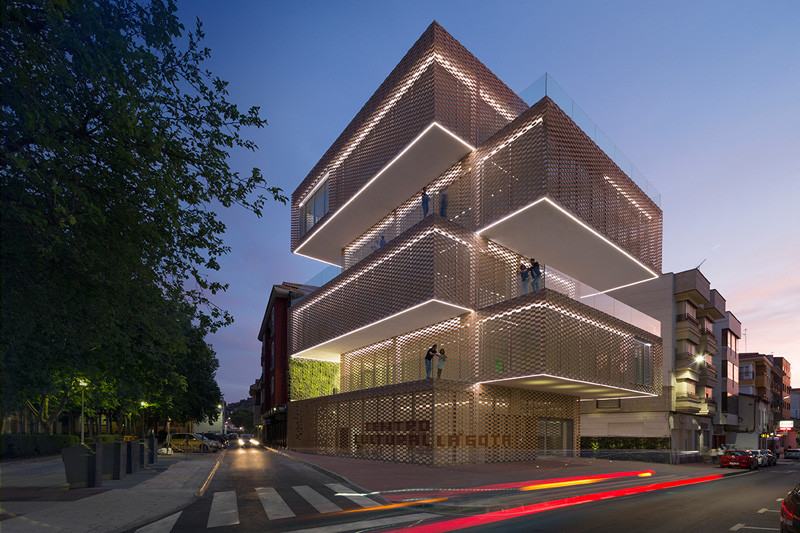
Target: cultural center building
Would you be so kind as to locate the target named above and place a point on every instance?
(507, 178)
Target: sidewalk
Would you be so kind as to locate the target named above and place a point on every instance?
(35, 495)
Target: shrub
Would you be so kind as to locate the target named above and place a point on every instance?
(22, 446)
(104, 439)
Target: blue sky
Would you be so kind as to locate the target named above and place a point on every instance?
(702, 97)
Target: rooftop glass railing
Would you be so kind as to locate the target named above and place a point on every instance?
(546, 86)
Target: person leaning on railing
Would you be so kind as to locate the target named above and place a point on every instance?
(536, 274)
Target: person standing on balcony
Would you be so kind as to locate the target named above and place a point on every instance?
(383, 241)
(443, 203)
(429, 360)
(523, 278)
(536, 274)
(440, 363)
(425, 202)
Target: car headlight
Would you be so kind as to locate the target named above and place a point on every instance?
(254, 442)
(241, 442)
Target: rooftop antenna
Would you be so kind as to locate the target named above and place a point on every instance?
(701, 263)
(745, 341)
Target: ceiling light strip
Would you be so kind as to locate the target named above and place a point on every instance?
(404, 311)
(568, 379)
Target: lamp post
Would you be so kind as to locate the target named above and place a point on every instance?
(82, 384)
(144, 415)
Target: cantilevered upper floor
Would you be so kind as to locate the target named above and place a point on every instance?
(433, 109)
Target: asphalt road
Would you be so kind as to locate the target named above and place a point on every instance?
(258, 490)
(746, 502)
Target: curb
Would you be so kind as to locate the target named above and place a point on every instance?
(131, 528)
(329, 473)
(205, 485)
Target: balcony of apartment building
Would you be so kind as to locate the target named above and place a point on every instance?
(709, 404)
(687, 327)
(431, 111)
(707, 368)
(687, 398)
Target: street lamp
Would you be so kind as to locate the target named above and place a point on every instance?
(83, 385)
(144, 414)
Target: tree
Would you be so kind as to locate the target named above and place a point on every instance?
(115, 158)
(243, 418)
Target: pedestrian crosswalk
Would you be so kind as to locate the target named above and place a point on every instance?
(283, 503)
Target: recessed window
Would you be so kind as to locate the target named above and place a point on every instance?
(642, 363)
(314, 207)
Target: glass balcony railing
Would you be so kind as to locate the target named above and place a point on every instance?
(320, 278)
(558, 281)
(546, 86)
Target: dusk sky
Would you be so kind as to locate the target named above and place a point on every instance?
(702, 97)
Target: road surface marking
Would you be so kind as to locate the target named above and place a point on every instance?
(379, 522)
(361, 500)
(737, 527)
(320, 502)
(164, 525)
(224, 511)
(273, 504)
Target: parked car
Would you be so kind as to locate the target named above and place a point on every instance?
(183, 442)
(772, 458)
(743, 458)
(790, 512)
(247, 440)
(763, 460)
(217, 437)
(792, 453)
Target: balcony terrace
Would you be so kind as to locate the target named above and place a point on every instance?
(546, 341)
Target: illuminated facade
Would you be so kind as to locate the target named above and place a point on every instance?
(507, 178)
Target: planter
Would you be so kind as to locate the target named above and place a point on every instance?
(115, 459)
(147, 451)
(133, 456)
(83, 465)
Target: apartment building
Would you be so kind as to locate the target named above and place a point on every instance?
(271, 391)
(432, 201)
(728, 331)
(781, 388)
(681, 419)
(769, 378)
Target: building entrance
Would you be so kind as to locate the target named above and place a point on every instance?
(554, 437)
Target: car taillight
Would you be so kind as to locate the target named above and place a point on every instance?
(787, 512)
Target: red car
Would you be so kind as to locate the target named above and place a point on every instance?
(743, 458)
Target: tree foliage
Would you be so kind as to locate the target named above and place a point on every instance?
(243, 418)
(115, 158)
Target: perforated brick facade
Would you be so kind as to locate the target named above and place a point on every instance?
(437, 80)
(437, 423)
